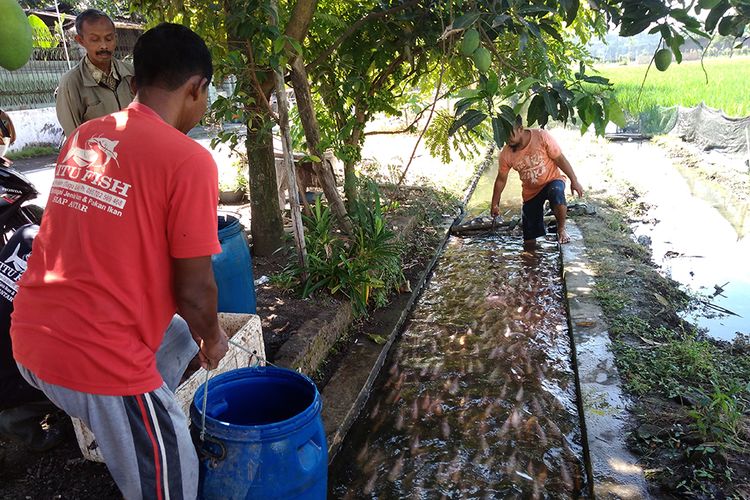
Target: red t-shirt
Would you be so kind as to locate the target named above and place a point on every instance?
(533, 163)
(130, 193)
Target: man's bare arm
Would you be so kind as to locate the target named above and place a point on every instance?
(564, 165)
(500, 181)
(196, 294)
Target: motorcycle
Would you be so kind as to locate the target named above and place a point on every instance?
(15, 191)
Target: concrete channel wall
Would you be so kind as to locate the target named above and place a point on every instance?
(614, 471)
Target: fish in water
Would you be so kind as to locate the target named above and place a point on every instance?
(553, 429)
(445, 429)
(397, 468)
(414, 445)
(566, 477)
(425, 402)
(370, 486)
(362, 455)
(399, 420)
(506, 426)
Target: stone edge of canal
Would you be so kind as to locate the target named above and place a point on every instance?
(614, 472)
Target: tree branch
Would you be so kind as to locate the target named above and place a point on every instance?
(383, 76)
(402, 131)
(265, 104)
(299, 21)
(353, 28)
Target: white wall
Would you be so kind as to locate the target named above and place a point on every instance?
(35, 126)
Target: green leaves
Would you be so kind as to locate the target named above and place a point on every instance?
(470, 119)
(466, 20)
(732, 26)
(637, 16)
(570, 8)
(356, 267)
(715, 15)
(537, 112)
(42, 37)
(615, 113)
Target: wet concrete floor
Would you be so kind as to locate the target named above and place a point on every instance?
(478, 397)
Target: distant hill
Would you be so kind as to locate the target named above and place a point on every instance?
(641, 47)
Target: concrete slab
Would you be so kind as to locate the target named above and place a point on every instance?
(615, 472)
(309, 346)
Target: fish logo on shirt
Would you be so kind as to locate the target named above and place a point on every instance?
(17, 262)
(99, 151)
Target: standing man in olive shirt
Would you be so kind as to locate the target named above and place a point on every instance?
(99, 84)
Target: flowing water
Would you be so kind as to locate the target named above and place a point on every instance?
(478, 397)
(697, 234)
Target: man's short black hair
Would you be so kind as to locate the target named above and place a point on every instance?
(168, 55)
(519, 122)
(90, 15)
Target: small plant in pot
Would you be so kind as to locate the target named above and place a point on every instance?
(233, 182)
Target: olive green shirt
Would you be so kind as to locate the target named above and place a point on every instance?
(80, 97)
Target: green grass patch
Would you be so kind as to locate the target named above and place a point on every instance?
(684, 85)
(32, 151)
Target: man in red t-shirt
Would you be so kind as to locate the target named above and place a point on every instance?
(540, 164)
(126, 242)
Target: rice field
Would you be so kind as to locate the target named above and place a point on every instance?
(728, 86)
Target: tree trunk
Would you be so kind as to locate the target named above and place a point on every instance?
(296, 28)
(350, 178)
(286, 142)
(324, 172)
(266, 226)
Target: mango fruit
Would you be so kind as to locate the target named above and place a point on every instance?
(470, 42)
(15, 36)
(663, 59)
(482, 59)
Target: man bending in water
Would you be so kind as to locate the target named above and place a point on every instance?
(542, 167)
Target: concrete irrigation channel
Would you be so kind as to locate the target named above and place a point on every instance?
(500, 384)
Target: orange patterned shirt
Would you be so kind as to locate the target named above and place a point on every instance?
(534, 163)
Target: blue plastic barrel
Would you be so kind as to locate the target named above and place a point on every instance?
(233, 269)
(264, 437)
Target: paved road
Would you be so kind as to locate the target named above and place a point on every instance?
(29, 165)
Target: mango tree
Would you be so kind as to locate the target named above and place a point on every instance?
(242, 39)
(502, 57)
(535, 38)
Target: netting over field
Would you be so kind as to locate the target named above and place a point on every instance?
(711, 129)
(707, 127)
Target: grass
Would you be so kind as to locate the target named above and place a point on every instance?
(685, 85)
(32, 151)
